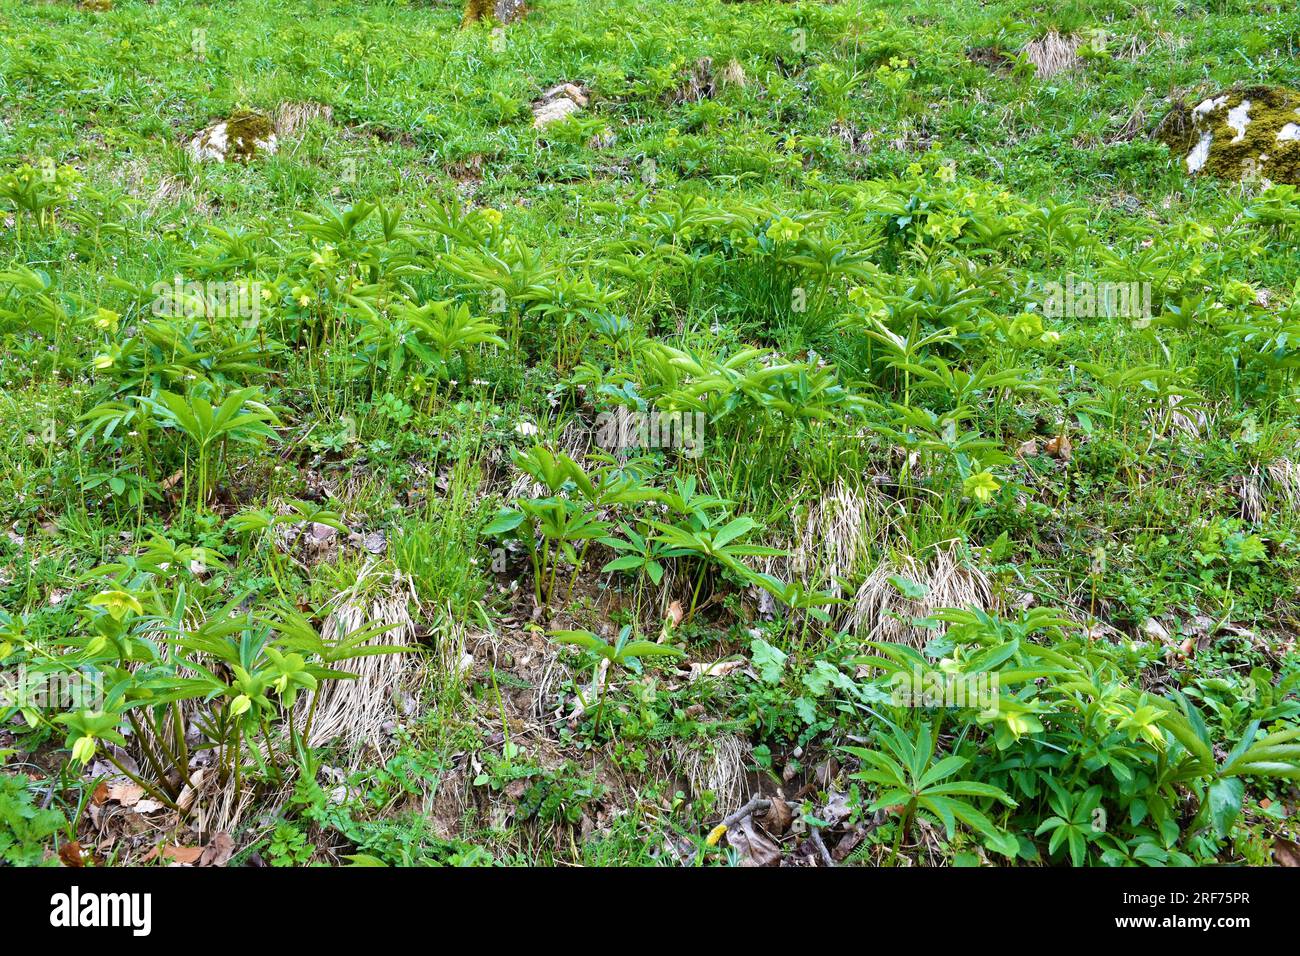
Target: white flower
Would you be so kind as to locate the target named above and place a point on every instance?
(525, 429)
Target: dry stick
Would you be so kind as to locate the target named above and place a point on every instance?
(820, 844)
(755, 804)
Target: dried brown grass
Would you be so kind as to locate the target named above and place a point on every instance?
(1053, 54)
(354, 712)
(880, 612)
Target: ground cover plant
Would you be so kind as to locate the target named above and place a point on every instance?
(678, 434)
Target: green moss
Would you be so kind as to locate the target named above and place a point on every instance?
(1177, 131)
(1258, 152)
(476, 10)
(246, 131)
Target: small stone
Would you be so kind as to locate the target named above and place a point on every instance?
(1243, 133)
(241, 136)
(1155, 630)
(557, 103)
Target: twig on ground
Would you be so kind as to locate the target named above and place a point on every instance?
(755, 805)
(820, 844)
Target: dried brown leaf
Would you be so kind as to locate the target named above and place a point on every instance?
(218, 851)
(70, 854)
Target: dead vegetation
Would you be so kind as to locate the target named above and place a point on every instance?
(882, 612)
(1053, 54)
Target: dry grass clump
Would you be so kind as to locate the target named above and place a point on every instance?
(734, 75)
(880, 612)
(833, 536)
(355, 712)
(1284, 483)
(288, 118)
(698, 84)
(720, 767)
(1053, 54)
(1272, 486)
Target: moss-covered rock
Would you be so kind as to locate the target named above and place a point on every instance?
(1243, 133)
(241, 136)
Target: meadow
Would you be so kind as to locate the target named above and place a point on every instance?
(654, 434)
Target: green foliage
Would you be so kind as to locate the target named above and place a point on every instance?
(25, 827)
(847, 261)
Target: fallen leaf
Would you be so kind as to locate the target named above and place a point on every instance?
(825, 771)
(777, 817)
(190, 790)
(100, 794)
(1155, 630)
(1060, 447)
(1285, 852)
(516, 789)
(70, 854)
(837, 809)
(848, 844)
(218, 851)
(716, 669)
(186, 855)
(1027, 449)
(755, 848)
(675, 614)
(126, 793)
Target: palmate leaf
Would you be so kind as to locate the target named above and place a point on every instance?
(885, 765)
(239, 417)
(106, 419)
(619, 653)
(626, 563)
(636, 649)
(585, 640)
(506, 520)
(1275, 755)
(296, 632)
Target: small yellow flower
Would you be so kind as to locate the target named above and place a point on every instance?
(980, 486)
(946, 173)
(240, 705)
(784, 229)
(324, 256)
(106, 319)
(117, 603)
(83, 749)
(103, 361)
(491, 216)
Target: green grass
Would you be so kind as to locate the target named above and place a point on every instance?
(840, 254)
